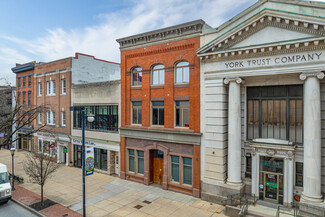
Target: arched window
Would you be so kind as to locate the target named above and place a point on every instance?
(182, 72)
(158, 75)
(136, 76)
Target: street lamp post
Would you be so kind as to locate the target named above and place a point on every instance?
(90, 119)
(12, 151)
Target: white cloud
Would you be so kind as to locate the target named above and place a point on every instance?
(141, 16)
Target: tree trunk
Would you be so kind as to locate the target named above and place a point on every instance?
(42, 202)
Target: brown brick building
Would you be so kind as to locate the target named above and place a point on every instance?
(160, 107)
(53, 90)
(25, 101)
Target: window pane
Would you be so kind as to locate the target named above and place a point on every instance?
(175, 172)
(187, 174)
(161, 77)
(131, 152)
(135, 116)
(179, 75)
(140, 78)
(161, 116)
(299, 121)
(159, 66)
(131, 163)
(276, 120)
(175, 159)
(141, 162)
(283, 124)
(135, 78)
(187, 161)
(157, 103)
(186, 74)
(155, 77)
(256, 119)
(270, 113)
(186, 115)
(292, 125)
(155, 116)
(139, 116)
(178, 118)
(183, 63)
(299, 174)
(264, 119)
(250, 119)
(137, 103)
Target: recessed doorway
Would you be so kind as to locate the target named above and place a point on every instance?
(156, 166)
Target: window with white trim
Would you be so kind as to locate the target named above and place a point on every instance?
(50, 88)
(63, 86)
(39, 118)
(39, 89)
(158, 75)
(182, 72)
(63, 119)
(50, 118)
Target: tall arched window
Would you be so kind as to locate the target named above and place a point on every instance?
(158, 75)
(182, 72)
(136, 76)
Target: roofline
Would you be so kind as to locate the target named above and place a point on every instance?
(77, 55)
(264, 9)
(23, 68)
(159, 30)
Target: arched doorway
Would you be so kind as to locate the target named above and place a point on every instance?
(156, 166)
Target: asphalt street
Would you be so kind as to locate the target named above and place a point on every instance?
(11, 209)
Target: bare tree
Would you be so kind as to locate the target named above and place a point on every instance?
(39, 168)
(15, 116)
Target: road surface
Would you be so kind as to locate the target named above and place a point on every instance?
(11, 209)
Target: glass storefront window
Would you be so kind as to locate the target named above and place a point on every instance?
(140, 162)
(100, 159)
(299, 174)
(131, 160)
(175, 168)
(187, 170)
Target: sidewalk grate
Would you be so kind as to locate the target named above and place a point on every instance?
(138, 207)
(147, 202)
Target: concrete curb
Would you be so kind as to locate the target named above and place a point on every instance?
(28, 208)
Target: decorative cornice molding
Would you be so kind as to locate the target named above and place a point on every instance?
(193, 28)
(237, 80)
(163, 50)
(222, 46)
(319, 75)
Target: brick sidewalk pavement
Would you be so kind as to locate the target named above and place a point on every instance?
(110, 196)
(27, 198)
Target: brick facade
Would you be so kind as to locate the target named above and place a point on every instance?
(147, 55)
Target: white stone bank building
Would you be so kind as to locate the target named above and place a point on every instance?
(263, 104)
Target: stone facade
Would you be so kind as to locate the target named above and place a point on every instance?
(272, 44)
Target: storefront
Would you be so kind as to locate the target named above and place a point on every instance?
(170, 165)
(106, 156)
(25, 141)
(262, 85)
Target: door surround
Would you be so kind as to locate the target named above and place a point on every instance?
(165, 150)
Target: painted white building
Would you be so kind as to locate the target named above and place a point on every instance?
(263, 104)
(98, 89)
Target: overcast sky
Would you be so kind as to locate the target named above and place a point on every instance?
(44, 30)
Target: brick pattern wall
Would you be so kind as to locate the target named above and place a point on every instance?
(167, 54)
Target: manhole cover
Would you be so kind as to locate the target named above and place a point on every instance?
(138, 206)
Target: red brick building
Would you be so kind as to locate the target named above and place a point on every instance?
(160, 108)
(25, 101)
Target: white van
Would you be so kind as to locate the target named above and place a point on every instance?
(5, 187)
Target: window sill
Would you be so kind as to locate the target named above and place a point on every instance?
(157, 86)
(182, 85)
(51, 95)
(177, 184)
(136, 87)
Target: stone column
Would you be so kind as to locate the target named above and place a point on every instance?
(234, 131)
(312, 137)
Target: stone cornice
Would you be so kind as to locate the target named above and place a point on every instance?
(192, 29)
(292, 46)
(262, 20)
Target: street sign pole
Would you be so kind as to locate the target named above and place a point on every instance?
(83, 163)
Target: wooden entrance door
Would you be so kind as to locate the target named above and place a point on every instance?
(158, 170)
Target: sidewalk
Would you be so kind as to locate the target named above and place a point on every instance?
(26, 198)
(106, 195)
